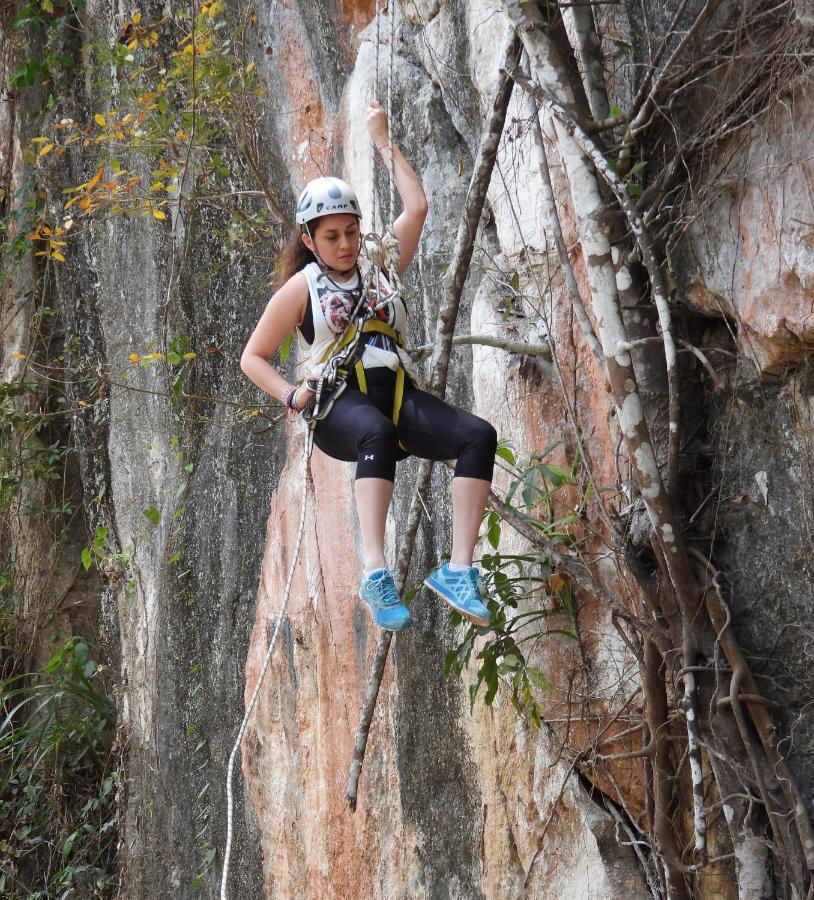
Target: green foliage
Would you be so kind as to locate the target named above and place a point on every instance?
(43, 25)
(29, 454)
(536, 482)
(285, 347)
(513, 586)
(113, 565)
(152, 514)
(511, 583)
(200, 93)
(57, 810)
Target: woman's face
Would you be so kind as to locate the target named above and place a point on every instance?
(337, 241)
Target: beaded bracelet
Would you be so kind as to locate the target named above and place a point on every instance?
(289, 399)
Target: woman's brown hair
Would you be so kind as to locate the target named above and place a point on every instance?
(294, 256)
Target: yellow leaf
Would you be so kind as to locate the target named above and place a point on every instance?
(96, 179)
(136, 18)
(190, 354)
(158, 214)
(58, 256)
(157, 186)
(83, 402)
(18, 355)
(46, 149)
(39, 140)
(48, 6)
(134, 357)
(100, 120)
(133, 44)
(250, 67)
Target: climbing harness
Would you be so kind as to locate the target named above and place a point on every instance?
(344, 354)
(380, 253)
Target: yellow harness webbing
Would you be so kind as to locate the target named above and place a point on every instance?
(398, 393)
(382, 328)
(368, 325)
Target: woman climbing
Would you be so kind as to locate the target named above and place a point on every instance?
(381, 416)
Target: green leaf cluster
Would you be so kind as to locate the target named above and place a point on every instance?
(528, 600)
(57, 792)
(43, 25)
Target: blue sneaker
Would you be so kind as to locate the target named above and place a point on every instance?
(379, 592)
(461, 590)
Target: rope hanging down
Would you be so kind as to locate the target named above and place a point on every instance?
(266, 661)
(379, 252)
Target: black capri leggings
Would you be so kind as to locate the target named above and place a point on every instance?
(360, 427)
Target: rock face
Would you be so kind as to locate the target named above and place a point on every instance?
(454, 802)
(761, 203)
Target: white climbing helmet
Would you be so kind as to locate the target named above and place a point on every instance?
(324, 196)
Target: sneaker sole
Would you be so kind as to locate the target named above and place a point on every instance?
(475, 620)
(366, 605)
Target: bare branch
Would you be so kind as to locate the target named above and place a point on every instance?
(487, 340)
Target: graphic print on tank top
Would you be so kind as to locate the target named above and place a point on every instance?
(338, 304)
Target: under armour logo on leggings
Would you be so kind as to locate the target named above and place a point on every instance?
(368, 456)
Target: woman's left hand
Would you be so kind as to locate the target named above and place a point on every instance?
(376, 122)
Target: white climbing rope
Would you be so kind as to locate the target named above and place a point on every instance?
(376, 96)
(256, 692)
(389, 110)
(391, 167)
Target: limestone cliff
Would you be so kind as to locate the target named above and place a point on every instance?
(454, 802)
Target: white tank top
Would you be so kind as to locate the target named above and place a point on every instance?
(332, 302)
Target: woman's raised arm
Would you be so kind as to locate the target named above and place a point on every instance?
(409, 224)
